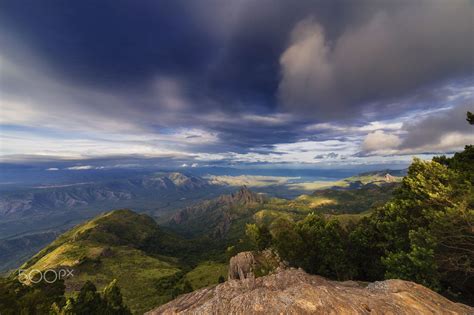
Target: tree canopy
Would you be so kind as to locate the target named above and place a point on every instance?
(424, 234)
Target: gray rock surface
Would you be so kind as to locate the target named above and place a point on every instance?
(241, 266)
(292, 291)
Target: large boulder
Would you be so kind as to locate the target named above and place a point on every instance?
(247, 265)
(292, 291)
(242, 266)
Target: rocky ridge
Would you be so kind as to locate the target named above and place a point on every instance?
(243, 196)
(292, 291)
(218, 213)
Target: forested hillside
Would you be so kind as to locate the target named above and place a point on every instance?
(425, 233)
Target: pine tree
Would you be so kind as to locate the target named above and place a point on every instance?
(470, 118)
(113, 300)
(88, 300)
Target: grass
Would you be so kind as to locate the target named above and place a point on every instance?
(107, 248)
(355, 200)
(137, 275)
(68, 255)
(136, 272)
(311, 186)
(377, 178)
(313, 201)
(206, 274)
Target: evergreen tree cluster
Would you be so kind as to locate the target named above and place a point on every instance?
(37, 298)
(424, 234)
(48, 298)
(174, 285)
(89, 301)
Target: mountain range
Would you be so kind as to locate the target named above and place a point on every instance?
(32, 218)
(50, 198)
(188, 249)
(157, 258)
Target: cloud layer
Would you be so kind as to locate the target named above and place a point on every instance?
(213, 83)
(443, 131)
(391, 54)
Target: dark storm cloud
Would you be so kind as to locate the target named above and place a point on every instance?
(390, 54)
(156, 67)
(446, 130)
(252, 35)
(442, 131)
(109, 42)
(330, 155)
(241, 138)
(225, 53)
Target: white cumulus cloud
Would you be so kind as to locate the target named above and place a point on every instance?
(380, 141)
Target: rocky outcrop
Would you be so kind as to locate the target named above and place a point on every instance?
(242, 266)
(214, 217)
(292, 291)
(243, 196)
(389, 178)
(247, 265)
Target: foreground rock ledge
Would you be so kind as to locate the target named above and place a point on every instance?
(293, 291)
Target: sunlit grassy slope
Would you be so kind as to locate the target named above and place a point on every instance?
(206, 273)
(110, 247)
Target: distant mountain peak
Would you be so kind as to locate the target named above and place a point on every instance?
(216, 216)
(178, 177)
(243, 196)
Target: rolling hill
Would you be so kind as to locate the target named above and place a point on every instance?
(29, 215)
(146, 261)
(224, 218)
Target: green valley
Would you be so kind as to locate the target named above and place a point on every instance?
(324, 232)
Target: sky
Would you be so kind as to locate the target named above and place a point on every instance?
(244, 82)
